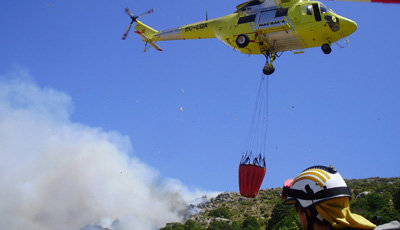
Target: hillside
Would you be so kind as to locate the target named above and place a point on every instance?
(377, 199)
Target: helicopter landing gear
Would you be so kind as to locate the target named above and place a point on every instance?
(269, 67)
(242, 40)
(326, 48)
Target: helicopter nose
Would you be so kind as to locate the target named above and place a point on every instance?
(348, 26)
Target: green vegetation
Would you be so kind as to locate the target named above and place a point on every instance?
(376, 207)
(396, 200)
(220, 212)
(250, 223)
(377, 199)
(220, 225)
(189, 225)
(283, 217)
(175, 226)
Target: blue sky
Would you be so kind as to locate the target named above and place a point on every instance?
(340, 109)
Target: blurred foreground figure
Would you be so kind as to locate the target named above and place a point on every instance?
(321, 198)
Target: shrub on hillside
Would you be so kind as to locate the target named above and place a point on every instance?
(396, 200)
(283, 217)
(250, 223)
(221, 212)
(191, 225)
(376, 207)
(221, 225)
(173, 226)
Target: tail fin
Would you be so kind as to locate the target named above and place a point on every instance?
(147, 34)
(145, 30)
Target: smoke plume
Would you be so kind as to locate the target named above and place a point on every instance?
(58, 174)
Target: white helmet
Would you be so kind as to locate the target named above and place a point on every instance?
(313, 185)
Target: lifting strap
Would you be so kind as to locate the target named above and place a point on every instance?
(255, 147)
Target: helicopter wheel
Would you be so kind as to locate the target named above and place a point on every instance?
(326, 48)
(268, 69)
(242, 40)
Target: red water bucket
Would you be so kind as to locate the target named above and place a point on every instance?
(250, 179)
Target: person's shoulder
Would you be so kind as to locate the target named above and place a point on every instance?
(389, 226)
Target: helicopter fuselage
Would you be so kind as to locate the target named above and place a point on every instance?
(267, 27)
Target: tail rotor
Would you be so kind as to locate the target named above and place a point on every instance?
(133, 19)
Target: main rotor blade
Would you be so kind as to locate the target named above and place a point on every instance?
(128, 12)
(146, 13)
(126, 32)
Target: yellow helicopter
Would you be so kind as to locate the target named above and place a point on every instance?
(265, 27)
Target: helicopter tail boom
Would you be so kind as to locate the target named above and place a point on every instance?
(199, 30)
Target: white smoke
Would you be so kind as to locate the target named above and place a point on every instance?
(57, 174)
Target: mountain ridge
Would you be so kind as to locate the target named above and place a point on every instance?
(376, 198)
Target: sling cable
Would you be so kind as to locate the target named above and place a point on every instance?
(252, 166)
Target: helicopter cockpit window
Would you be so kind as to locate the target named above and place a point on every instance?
(254, 2)
(247, 6)
(324, 9)
(333, 23)
(307, 10)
